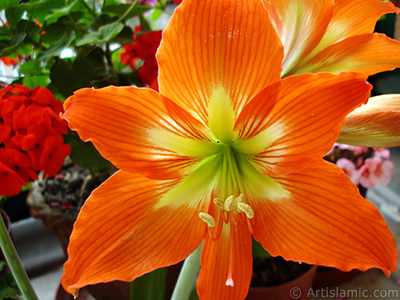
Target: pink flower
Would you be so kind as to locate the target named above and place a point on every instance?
(375, 171)
(382, 152)
(349, 169)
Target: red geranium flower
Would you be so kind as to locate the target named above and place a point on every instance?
(144, 48)
(31, 136)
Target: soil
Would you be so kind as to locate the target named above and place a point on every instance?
(275, 270)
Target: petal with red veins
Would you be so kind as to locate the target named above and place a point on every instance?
(325, 221)
(218, 44)
(120, 235)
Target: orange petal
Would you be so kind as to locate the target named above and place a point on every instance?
(120, 236)
(119, 121)
(352, 17)
(376, 124)
(202, 51)
(367, 53)
(326, 222)
(305, 121)
(233, 248)
(300, 25)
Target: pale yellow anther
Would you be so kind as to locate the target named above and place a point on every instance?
(219, 202)
(240, 198)
(244, 207)
(229, 203)
(208, 219)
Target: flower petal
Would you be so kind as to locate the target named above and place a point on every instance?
(127, 126)
(300, 25)
(303, 124)
(352, 17)
(324, 222)
(367, 53)
(202, 51)
(119, 235)
(376, 124)
(233, 248)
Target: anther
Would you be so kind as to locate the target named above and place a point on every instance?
(240, 198)
(244, 207)
(229, 203)
(208, 219)
(219, 202)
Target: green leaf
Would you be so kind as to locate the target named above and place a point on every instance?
(39, 9)
(15, 44)
(104, 34)
(150, 286)
(8, 3)
(57, 47)
(85, 154)
(32, 81)
(8, 287)
(31, 67)
(68, 79)
(110, 31)
(119, 10)
(14, 15)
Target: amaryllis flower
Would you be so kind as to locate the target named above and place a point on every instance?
(333, 36)
(31, 136)
(224, 152)
(375, 171)
(376, 124)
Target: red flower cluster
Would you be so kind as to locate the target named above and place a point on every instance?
(177, 1)
(144, 47)
(8, 61)
(31, 136)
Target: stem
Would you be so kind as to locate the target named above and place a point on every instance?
(188, 276)
(91, 11)
(128, 11)
(15, 264)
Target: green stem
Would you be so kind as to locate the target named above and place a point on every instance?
(188, 276)
(91, 11)
(15, 264)
(128, 11)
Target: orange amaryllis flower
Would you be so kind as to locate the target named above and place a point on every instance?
(333, 36)
(216, 157)
(376, 124)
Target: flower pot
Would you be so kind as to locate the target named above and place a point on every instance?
(296, 289)
(327, 277)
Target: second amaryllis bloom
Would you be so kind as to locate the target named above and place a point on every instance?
(226, 151)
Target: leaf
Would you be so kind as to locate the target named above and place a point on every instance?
(13, 15)
(110, 31)
(68, 79)
(57, 47)
(119, 10)
(8, 287)
(104, 34)
(33, 81)
(85, 154)
(39, 9)
(150, 286)
(31, 67)
(8, 3)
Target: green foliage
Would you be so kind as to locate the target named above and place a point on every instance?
(39, 31)
(8, 286)
(150, 286)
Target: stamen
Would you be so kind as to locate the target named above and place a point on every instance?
(219, 202)
(244, 207)
(229, 282)
(208, 219)
(229, 203)
(240, 198)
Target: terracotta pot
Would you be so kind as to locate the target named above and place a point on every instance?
(296, 289)
(327, 277)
